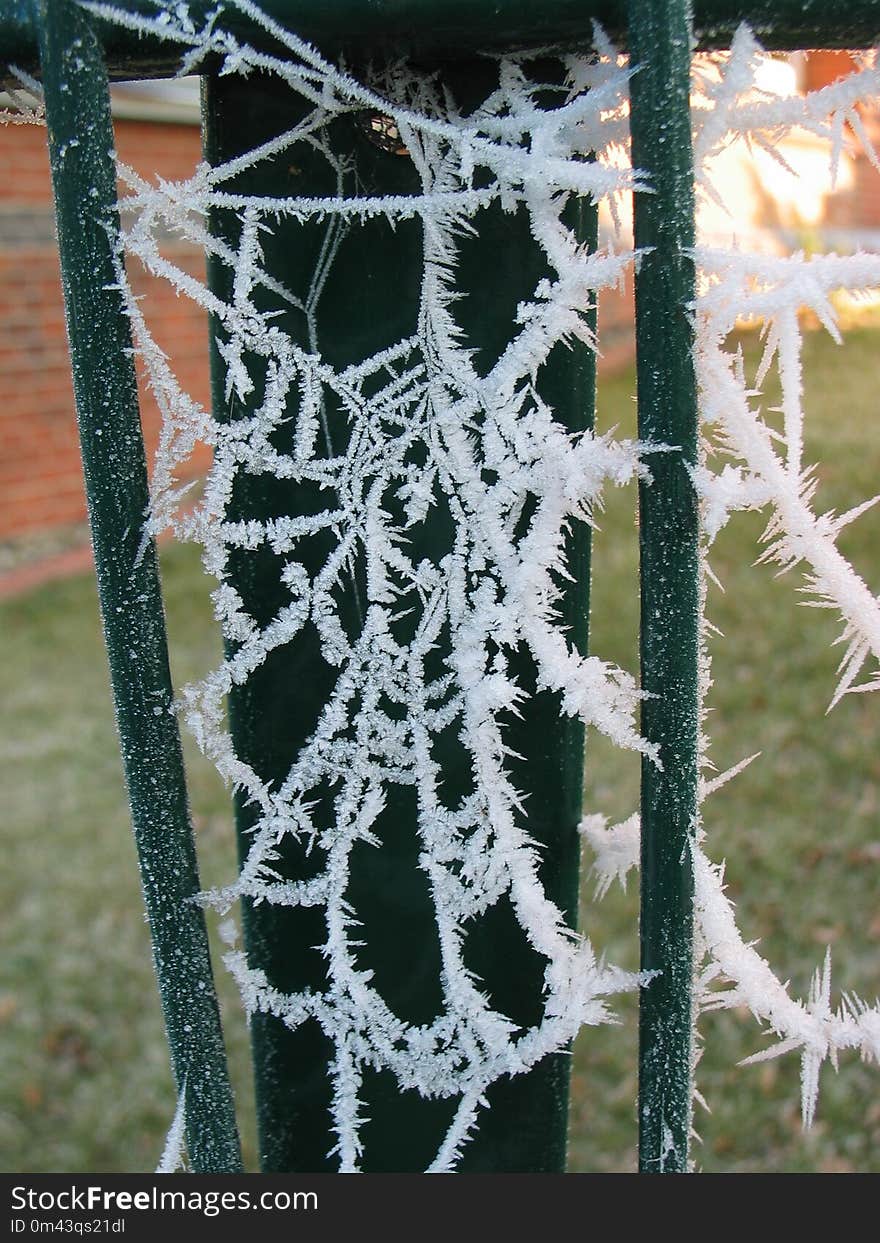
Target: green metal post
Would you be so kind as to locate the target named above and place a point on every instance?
(84, 181)
(369, 300)
(660, 45)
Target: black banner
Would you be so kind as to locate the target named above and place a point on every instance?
(132, 1207)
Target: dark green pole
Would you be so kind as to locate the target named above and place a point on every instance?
(660, 46)
(370, 299)
(84, 182)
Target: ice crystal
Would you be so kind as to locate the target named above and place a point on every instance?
(767, 471)
(174, 1153)
(423, 431)
(426, 431)
(24, 103)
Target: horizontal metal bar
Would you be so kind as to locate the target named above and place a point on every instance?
(453, 28)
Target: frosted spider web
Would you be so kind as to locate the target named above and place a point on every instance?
(424, 423)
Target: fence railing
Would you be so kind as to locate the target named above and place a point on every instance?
(73, 51)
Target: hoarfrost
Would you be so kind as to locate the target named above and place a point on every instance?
(174, 1153)
(424, 428)
(424, 423)
(764, 470)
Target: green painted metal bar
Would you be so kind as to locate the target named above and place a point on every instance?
(457, 28)
(274, 713)
(525, 1127)
(664, 226)
(84, 182)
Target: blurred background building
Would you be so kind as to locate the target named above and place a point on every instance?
(157, 134)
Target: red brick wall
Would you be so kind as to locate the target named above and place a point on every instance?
(40, 477)
(40, 483)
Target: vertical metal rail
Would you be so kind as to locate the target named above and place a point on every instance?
(84, 182)
(660, 46)
(273, 714)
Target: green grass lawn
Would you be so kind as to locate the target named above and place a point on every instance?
(84, 1081)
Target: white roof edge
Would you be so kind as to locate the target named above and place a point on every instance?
(130, 105)
(170, 101)
(161, 111)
